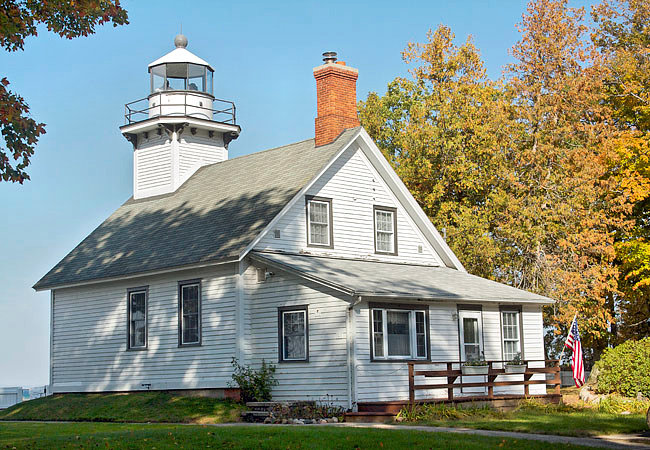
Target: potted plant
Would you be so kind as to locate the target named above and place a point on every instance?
(475, 366)
(516, 365)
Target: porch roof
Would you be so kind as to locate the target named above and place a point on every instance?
(366, 278)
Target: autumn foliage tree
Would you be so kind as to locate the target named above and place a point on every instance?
(20, 19)
(622, 35)
(518, 171)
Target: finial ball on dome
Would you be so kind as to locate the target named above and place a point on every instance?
(180, 41)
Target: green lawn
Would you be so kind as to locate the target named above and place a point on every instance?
(134, 407)
(559, 420)
(117, 436)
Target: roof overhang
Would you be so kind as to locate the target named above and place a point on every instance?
(45, 287)
(376, 279)
(157, 122)
(180, 55)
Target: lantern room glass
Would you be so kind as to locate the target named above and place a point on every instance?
(181, 77)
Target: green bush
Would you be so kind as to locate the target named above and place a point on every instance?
(255, 385)
(625, 369)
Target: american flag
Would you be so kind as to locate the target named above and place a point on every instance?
(577, 364)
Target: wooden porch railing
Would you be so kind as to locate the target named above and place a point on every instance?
(451, 374)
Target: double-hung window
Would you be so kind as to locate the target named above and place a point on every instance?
(189, 313)
(510, 331)
(385, 230)
(319, 222)
(137, 318)
(399, 333)
(293, 333)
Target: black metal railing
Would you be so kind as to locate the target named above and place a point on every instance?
(190, 105)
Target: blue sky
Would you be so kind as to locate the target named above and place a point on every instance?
(263, 55)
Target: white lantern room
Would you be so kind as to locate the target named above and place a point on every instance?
(180, 126)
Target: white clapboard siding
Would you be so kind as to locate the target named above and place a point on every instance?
(198, 150)
(153, 164)
(89, 341)
(387, 381)
(325, 377)
(354, 187)
(533, 337)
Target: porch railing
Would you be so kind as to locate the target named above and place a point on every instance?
(453, 372)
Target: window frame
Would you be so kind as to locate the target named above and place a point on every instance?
(291, 309)
(393, 211)
(130, 291)
(412, 309)
(511, 309)
(181, 285)
(330, 225)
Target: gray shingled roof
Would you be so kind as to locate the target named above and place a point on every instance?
(382, 279)
(212, 217)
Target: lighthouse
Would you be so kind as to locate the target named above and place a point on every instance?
(180, 126)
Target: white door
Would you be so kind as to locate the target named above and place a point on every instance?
(471, 346)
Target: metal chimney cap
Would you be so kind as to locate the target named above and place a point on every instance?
(329, 57)
(180, 41)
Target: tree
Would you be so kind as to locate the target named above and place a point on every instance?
(623, 38)
(444, 133)
(20, 19)
(518, 171)
(563, 180)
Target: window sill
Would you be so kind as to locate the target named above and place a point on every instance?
(293, 361)
(197, 344)
(399, 360)
(331, 247)
(137, 349)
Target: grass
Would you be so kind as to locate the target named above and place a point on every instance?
(133, 407)
(530, 417)
(159, 436)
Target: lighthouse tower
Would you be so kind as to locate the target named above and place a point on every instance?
(180, 126)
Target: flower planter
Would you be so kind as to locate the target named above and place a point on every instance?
(515, 368)
(474, 370)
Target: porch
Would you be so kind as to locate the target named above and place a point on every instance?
(444, 382)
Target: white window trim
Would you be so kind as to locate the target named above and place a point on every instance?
(328, 223)
(393, 233)
(305, 333)
(182, 340)
(146, 318)
(412, 333)
(503, 334)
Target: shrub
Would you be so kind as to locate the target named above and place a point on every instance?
(255, 385)
(625, 369)
(615, 404)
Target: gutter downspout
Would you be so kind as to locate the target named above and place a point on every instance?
(351, 351)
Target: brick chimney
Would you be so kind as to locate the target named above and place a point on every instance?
(336, 89)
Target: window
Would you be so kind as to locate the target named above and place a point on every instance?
(385, 230)
(319, 222)
(189, 317)
(293, 334)
(137, 318)
(510, 330)
(399, 332)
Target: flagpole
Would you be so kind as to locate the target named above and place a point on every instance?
(567, 338)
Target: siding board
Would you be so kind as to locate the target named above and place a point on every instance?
(89, 337)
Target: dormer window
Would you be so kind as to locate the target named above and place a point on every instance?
(319, 222)
(385, 230)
